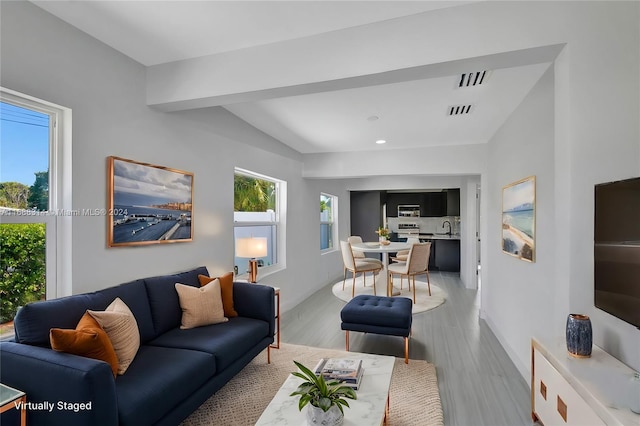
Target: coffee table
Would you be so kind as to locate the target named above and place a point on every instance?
(371, 407)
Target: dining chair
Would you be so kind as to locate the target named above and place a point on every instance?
(357, 266)
(417, 263)
(358, 255)
(402, 255)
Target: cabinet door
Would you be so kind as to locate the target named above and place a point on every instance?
(433, 204)
(453, 202)
(448, 255)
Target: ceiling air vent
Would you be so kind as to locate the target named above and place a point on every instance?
(472, 79)
(459, 109)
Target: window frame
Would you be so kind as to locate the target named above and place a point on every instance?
(58, 225)
(332, 222)
(279, 222)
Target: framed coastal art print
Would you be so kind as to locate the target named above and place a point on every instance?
(148, 204)
(519, 219)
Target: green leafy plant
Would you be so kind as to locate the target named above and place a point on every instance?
(320, 393)
(22, 266)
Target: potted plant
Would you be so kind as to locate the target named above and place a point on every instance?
(325, 399)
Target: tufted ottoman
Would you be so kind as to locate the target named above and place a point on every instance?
(379, 315)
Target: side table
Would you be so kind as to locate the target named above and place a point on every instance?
(13, 398)
(276, 345)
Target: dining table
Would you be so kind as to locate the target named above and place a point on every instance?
(376, 247)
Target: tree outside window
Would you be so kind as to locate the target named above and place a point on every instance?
(256, 204)
(327, 229)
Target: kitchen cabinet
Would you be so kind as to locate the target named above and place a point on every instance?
(433, 204)
(395, 199)
(453, 202)
(447, 255)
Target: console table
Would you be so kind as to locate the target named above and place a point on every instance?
(579, 391)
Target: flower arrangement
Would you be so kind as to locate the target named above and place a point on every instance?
(383, 232)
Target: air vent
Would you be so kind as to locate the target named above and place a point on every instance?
(459, 109)
(472, 79)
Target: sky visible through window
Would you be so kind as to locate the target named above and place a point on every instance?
(24, 144)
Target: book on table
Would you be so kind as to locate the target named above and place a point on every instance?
(348, 371)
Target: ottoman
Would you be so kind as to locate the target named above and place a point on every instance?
(379, 315)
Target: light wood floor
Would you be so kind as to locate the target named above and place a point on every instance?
(479, 385)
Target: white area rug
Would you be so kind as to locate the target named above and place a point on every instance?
(424, 302)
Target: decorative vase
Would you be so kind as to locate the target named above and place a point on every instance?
(579, 336)
(331, 417)
(381, 239)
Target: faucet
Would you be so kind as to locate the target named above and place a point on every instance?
(446, 221)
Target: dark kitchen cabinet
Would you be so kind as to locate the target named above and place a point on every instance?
(447, 255)
(395, 199)
(453, 202)
(433, 204)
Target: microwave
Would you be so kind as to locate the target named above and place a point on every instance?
(409, 210)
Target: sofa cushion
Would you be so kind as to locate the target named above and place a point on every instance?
(134, 294)
(200, 306)
(226, 288)
(34, 320)
(121, 327)
(88, 339)
(227, 341)
(159, 379)
(163, 299)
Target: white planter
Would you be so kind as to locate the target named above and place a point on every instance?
(332, 417)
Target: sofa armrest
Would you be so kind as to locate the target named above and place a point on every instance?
(255, 301)
(63, 381)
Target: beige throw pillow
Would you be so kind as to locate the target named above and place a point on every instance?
(122, 328)
(201, 305)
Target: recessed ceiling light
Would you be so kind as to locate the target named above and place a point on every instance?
(373, 118)
(381, 141)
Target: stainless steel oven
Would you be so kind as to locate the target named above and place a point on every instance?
(408, 230)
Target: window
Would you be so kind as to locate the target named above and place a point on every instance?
(328, 205)
(258, 204)
(34, 191)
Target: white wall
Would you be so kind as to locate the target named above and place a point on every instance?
(518, 295)
(46, 58)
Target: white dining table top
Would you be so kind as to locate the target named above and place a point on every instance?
(375, 247)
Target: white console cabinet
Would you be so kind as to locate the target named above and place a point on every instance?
(579, 391)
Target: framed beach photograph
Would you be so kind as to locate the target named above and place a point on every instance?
(148, 204)
(519, 219)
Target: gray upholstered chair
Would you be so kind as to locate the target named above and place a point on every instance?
(357, 266)
(417, 263)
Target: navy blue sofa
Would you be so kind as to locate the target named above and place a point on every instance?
(173, 373)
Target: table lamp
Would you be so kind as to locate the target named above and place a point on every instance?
(251, 248)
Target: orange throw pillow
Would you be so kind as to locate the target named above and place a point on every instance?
(226, 288)
(88, 340)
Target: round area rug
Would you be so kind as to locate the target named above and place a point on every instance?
(424, 302)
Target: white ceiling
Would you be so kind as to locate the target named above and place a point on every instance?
(409, 114)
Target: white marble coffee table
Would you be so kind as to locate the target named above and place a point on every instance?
(370, 408)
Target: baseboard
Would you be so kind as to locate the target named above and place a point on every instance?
(523, 369)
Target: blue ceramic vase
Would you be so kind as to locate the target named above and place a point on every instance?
(579, 335)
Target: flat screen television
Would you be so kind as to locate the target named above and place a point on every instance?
(617, 249)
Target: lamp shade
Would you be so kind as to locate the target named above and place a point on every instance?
(251, 247)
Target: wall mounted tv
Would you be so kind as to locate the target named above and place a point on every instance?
(617, 249)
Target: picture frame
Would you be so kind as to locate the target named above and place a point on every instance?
(148, 204)
(519, 219)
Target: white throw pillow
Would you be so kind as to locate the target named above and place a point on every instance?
(201, 305)
(122, 328)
